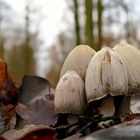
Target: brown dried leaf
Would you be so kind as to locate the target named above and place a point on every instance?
(7, 117)
(8, 89)
(39, 112)
(40, 134)
(1, 138)
(12, 134)
(9, 111)
(29, 131)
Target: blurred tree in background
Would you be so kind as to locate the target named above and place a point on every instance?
(76, 18)
(21, 58)
(97, 23)
(100, 16)
(54, 70)
(4, 19)
(27, 49)
(89, 37)
(100, 24)
(57, 55)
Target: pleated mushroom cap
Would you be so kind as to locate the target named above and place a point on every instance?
(78, 60)
(69, 95)
(106, 74)
(131, 57)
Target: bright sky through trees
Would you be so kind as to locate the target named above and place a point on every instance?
(52, 18)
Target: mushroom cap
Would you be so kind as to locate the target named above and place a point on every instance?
(131, 57)
(78, 60)
(106, 74)
(69, 95)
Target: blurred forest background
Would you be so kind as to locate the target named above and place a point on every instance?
(97, 23)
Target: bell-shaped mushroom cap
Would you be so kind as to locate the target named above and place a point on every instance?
(69, 95)
(131, 57)
(78, 60)
(106, 74)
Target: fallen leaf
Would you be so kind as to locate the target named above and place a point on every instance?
(9, 111)
(1, 138)
(39, 112)
(8, 89)
(32, 88)
(40, 134)
(12, 134)
(28, 131)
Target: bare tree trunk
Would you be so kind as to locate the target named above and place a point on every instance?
(77, 25)
(89, 37)
(1, 48)
(27, 49)
(127, 25)
(100, 24)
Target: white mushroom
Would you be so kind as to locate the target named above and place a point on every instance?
(106, 77)
(69, 95)
(131, 57)
(78, 60)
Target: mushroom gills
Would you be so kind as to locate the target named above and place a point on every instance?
(107, 107)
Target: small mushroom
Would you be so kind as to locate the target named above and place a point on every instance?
(69, 97)
(131, 57)
(78, 60)
(106, 78)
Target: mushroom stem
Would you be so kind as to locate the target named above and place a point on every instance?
(107, 107)
(66, 119)
(125, 106)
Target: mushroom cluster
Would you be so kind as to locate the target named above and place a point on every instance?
(97, 82)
